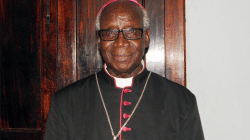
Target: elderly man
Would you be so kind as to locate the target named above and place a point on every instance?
(124, 100)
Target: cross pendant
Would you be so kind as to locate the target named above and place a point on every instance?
(114, 138)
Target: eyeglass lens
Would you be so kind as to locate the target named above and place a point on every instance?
(127, 33)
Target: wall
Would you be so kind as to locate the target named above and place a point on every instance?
(218, 65)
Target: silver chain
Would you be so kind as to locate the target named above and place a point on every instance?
(110, 125)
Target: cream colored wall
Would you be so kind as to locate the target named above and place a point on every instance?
(218, 65)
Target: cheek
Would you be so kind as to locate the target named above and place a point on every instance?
(105, 47)
(135, 46)
(138, 47)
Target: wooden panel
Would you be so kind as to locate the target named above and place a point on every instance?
(175, 40)
(88, 57)
(66, 42)
(20, 70)
(155, 57)
(48, 55)
(166, 55)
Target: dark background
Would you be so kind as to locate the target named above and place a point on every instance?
(48, 44)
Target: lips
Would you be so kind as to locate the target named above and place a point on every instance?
(122, 58)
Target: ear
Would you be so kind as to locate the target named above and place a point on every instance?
(147, 36)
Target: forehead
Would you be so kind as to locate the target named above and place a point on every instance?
(121, 12)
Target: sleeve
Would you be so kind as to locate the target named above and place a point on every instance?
(192, 128)
(56, 128)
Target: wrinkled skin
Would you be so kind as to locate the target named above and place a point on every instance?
(123, 57)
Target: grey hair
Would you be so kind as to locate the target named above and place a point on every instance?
(146, 21)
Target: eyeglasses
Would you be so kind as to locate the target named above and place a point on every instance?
(112, 34)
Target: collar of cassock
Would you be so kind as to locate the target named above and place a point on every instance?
(126, 82)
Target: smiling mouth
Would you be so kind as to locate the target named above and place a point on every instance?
(122, 58)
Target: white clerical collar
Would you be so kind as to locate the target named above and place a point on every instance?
(123, 82)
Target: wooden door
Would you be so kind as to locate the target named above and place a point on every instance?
(48, 44)
(20, 97)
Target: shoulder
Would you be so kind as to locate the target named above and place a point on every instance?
(75, 90)
(173, 97)
(171, 89)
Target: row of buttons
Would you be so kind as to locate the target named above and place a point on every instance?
(125, 115)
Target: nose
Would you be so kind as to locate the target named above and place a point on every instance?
(121, 41)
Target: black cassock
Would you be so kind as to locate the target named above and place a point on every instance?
(167, 111)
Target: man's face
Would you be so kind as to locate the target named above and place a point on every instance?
(123, 56)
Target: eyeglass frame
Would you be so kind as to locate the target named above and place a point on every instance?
(141, 29)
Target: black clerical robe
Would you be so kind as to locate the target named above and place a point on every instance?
(167, 111)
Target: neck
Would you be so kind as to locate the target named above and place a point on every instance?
(133, 73)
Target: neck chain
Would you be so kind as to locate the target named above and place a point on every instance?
(110, 125)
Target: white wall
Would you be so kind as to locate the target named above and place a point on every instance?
(218, 65)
